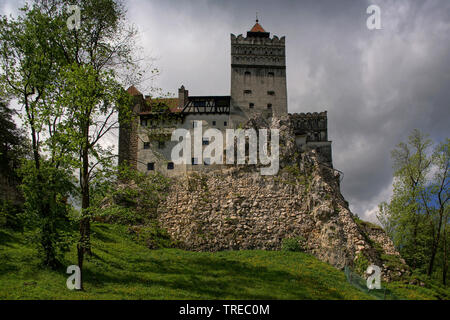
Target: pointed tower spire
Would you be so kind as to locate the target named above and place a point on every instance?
(258, 30)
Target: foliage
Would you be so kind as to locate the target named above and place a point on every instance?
(10, 215)
(47, 188)
(417, 216)
(13, 143)
(361, 263)
(295, 244)
(153, 236)
(133, 198)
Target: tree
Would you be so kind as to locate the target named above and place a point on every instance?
(416, 217)
(98, 59)
(70, 83)
(13, 143)
(29, 65)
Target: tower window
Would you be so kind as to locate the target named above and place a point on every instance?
(146, 145)
(205, 141)
(247, 73)
(214, 122)
(150, 166)
(271, 93)
(225, 123)
(194, 161)
(247, 91)
(170, 166)
(269, 106)
(251, 105)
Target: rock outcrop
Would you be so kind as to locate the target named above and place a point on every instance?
(237, 208)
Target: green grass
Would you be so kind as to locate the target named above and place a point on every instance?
(120, 268)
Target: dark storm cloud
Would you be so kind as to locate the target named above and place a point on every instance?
(376, 85)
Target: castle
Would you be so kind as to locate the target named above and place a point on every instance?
(258, 88)
(239, 207)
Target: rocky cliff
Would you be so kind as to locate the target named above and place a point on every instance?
(237, 208)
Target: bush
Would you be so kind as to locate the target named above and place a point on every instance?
(10, 216)
(46, 209)
(295, 244)
(133, 199)
(153, 236)
(361, 264)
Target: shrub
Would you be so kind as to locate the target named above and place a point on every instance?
(361, 264)
(132, 199)
(153, 236)
(294, 244)
(10, 215)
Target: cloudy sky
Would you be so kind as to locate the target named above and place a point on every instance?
(377, 85)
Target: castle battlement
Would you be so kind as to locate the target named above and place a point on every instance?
(274, 41)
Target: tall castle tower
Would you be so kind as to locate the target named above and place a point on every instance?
(258, 75)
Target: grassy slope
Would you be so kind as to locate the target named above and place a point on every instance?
(122, 269)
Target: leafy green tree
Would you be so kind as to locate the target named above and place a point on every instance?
(51, 188)
(97, 60)
(70, 83)
(29, 65)
(416, 217)
(13, 149)
(13, 142)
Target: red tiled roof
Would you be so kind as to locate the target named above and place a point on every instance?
(172, 103)
(257, 28)
(133, 91)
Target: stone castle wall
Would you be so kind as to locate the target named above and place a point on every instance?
(237, 208)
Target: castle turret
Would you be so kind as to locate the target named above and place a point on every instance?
(258, 74)
(183, 97)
